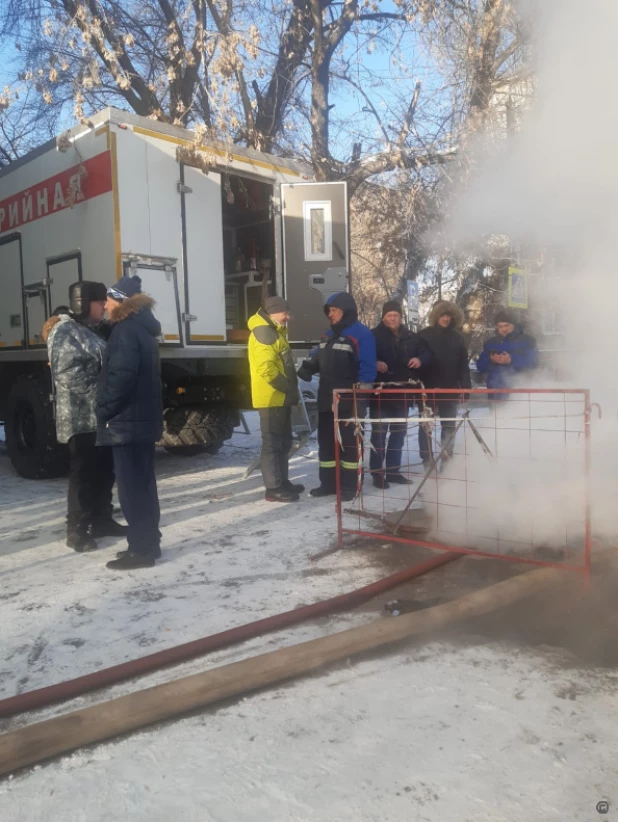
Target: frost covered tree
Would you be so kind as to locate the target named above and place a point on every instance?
(278, 76)
(263, 73)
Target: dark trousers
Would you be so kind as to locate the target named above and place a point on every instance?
(442, 408)
(387, 438)
(276, 428)
(137, 490)
(91, 480)
(348, 453)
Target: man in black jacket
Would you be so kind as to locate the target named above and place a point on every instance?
(130, 417)
(345, 356)
(401, 354)
(449, 369)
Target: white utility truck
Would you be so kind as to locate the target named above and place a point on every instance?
(210, 230)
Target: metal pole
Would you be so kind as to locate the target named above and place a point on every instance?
(337, 470)
(430, 470)
(588, 528)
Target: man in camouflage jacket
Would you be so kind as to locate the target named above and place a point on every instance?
(75, 348)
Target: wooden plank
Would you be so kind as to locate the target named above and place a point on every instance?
(37, 742)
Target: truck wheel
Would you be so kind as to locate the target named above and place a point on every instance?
(31, 432)
(191, 431)
(186, 450)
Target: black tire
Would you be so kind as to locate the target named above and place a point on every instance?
(186, 450)
(191, 431)
(31, 432)
(193, 450)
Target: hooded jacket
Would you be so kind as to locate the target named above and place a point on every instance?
(346, 354)
(449, 357)
(524, 357)
(273, 377)
(129, 400)
(75, 353)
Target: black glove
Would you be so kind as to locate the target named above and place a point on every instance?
(305, 372)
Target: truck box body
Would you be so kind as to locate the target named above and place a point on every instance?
(124, 195)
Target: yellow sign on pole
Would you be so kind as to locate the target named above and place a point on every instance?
(518, 288)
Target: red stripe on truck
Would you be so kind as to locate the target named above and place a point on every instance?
(65, 190)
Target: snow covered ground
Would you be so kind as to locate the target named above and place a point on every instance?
(450, 730)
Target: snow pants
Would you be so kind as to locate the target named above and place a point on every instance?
(91, 479)
(348, 454)
(443, 408)
(137, 490)
(276, 428)
(391, 448)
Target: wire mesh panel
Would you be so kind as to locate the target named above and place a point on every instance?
(500, 473)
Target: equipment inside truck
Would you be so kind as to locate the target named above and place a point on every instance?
(248, 250)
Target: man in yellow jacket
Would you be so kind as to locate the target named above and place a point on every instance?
(274, 388)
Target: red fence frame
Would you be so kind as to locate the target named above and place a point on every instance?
(364, 394)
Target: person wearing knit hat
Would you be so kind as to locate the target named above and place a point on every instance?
(75, 338)
(124, 288)
(274, 389)
(392, 306)
(507, 354)
(130, 417)
(401, 354)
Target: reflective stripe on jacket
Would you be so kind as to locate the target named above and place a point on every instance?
(273, 376)
(341, 360)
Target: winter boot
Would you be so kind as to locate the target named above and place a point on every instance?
(293, 488)
(280, 495)
(399, 479)
(348, 496)
(131, 562)
(108, 527)
(80, 540)
(156, 554)
(380, 481)
(322, 491)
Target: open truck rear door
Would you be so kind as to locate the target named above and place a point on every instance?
(159, 281)
(315, 252)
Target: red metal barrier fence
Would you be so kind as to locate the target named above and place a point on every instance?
(502, 474)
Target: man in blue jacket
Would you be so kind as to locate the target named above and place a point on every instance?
(130, 417)
(401, 353)
(508, 354)
(345, 356)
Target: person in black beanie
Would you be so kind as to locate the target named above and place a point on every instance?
(75, 338)
(401, 353)
(130, 417)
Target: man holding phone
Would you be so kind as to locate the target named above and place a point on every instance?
(509, 353)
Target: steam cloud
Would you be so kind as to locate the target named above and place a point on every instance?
(555, 184)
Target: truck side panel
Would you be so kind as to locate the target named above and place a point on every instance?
(132, 160)
(61, 205)
(12, 329)
(152, 225)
